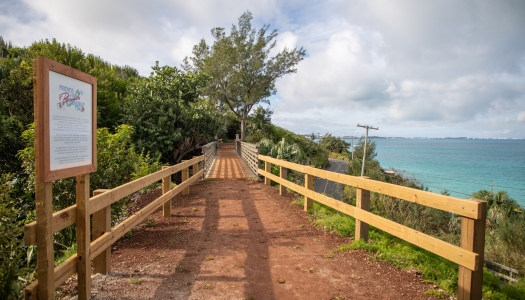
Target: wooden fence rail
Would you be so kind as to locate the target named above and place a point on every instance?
(248, 152)
(469, 255)
(104, 236)
(511, 271)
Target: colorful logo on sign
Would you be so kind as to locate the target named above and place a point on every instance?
(68, 97)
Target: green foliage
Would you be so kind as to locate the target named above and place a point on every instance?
(281, 150)
(66, 253)
(372, 167)
(258, 124)
(311, 153)
(495, 289)
(11, 243)
(505, 233)
(334, 144)
(169, 118)
(16, 91)
(435, 293)
(117, 163)
(333, 221)
(242, 73)
(231, 126)
(405, 255)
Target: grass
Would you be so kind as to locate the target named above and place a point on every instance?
(356, 277)
(134, 280)
(66, 254)
(340, 156)
(435, 293)
(180, 268)
(399, 253)
(150, 223)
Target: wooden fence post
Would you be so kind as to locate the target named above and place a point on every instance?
(362, 202)
(470, 282)
(267, 168)
(309, 184)
(102, 224)
(43, 197)
(195, 169)
(44, 230)
(283, 173)
(83, 237)
(185, 176)
(166, 186)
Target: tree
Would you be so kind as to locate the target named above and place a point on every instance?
(372, 167)
(169, 116)
(242, 72)
(334, 144)
(16, 91)
(258, 126)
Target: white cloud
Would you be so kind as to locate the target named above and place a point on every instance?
(521, 116)
(441, 68)
(344, 70)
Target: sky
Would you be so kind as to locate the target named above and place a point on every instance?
(437, 68)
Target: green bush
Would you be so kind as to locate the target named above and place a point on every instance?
(11, 242)
(117, 163)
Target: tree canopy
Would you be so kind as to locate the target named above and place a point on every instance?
(168, 114)
(242, 71)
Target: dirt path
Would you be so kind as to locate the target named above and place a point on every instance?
(241, 240)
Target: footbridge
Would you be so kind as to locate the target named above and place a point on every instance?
(228, 231)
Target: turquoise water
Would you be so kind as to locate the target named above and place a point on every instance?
(460, 166)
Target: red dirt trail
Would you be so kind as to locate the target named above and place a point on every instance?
(242, 240)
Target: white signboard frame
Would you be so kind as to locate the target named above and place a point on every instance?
(65, 121)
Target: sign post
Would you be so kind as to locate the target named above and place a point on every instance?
(65, 108)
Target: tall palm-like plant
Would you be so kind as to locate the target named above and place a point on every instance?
(281, 150)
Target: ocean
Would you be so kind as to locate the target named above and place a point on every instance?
(461, 166)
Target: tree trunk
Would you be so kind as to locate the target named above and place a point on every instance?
(243, 128)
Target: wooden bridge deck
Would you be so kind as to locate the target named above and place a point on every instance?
(229, 165)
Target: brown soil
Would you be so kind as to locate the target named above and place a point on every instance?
(242, 240)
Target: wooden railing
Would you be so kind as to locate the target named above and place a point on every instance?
(209, 151)
(248, 152)
(469, 255)
(99, 250)
(492, 265)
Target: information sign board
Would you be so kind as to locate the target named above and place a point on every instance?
(65, 117)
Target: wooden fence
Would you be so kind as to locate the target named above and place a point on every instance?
(99, 250)
(469, 255)
(248, 152)
(512, 272)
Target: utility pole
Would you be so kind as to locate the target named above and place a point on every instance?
(352, 147)
(364, 152)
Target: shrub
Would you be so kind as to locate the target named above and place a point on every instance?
(11, 243)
